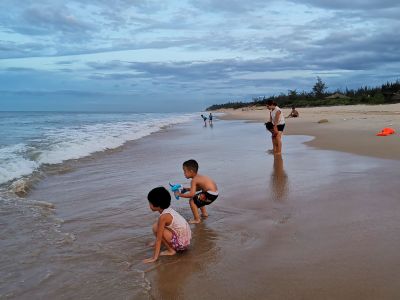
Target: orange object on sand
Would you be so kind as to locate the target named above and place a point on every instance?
(386, 131)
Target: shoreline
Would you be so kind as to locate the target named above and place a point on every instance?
(280, 227)
(350, 129)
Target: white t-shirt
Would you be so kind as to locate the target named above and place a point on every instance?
(179, 226)
(281, 120)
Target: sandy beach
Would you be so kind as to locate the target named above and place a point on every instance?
(312, 224)
(349, 128)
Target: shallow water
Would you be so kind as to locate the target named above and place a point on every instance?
(281, 227)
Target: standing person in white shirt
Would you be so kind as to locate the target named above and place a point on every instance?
(278, 121)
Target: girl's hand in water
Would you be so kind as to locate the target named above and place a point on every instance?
(149, 260)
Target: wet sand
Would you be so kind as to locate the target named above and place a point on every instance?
(313, 224)
(349, 128)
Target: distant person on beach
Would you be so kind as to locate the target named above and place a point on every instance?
(294, 113)
(204, 119)
(203, 190)
(171, 229)
(278, 124)
(210, 119)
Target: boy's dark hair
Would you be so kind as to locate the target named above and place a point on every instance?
(192, 165)
(271, 102)
(159, 197)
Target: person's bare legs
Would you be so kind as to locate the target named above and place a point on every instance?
(167, 238)
(195, 211)
(274, 145)
(278, 139)
(270, 151)
(167, 241)
(204, 213)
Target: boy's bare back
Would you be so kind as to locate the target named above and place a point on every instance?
(204, 183)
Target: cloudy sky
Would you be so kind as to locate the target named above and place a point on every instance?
(185, 55)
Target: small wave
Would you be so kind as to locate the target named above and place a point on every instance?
(43, 204)
(14, 164)
(21, 187)
(55, 145)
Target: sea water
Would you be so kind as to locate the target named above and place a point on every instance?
(53, 244)
(30, 140)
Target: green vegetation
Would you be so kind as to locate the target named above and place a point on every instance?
(385, 94)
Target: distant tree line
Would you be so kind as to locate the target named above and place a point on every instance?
(385, 94)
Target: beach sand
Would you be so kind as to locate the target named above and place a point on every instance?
(350, 128)
(312, 224)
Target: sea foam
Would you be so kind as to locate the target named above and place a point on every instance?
(65, 140)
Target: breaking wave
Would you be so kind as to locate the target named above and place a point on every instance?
(57, 141)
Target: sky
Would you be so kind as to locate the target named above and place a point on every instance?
(164, 56)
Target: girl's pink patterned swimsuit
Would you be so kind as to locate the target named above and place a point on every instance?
(181, 233)
(176, 244)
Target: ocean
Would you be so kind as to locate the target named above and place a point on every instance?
(75, 221)
(44, 250)
(31, 140)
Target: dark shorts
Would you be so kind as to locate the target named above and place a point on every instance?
(270, 127)
(204, 198)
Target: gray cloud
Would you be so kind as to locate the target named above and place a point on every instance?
(14, 69)
(230, 6)
(65, 62)
(347, 36)
(351, 5)
(42, 19)
(36, 93)
(15, 50)
(327, 54)
(113, 76)
(55, 19)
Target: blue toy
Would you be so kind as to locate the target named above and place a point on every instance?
(176, 188)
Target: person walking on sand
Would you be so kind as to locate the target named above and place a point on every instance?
(278, 122)
(203, 190)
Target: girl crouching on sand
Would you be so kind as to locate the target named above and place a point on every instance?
(172, 230)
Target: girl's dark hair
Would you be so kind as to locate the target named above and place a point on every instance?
(270, 102)
(192, 165)
(159, 197)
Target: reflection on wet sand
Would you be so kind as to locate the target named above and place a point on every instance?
(279, 180)
(182, 270)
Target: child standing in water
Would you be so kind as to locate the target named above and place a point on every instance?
(210, 118)
(172, 230)
(203, 190)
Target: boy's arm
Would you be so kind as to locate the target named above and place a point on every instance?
(192, 191)
(162, 221)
